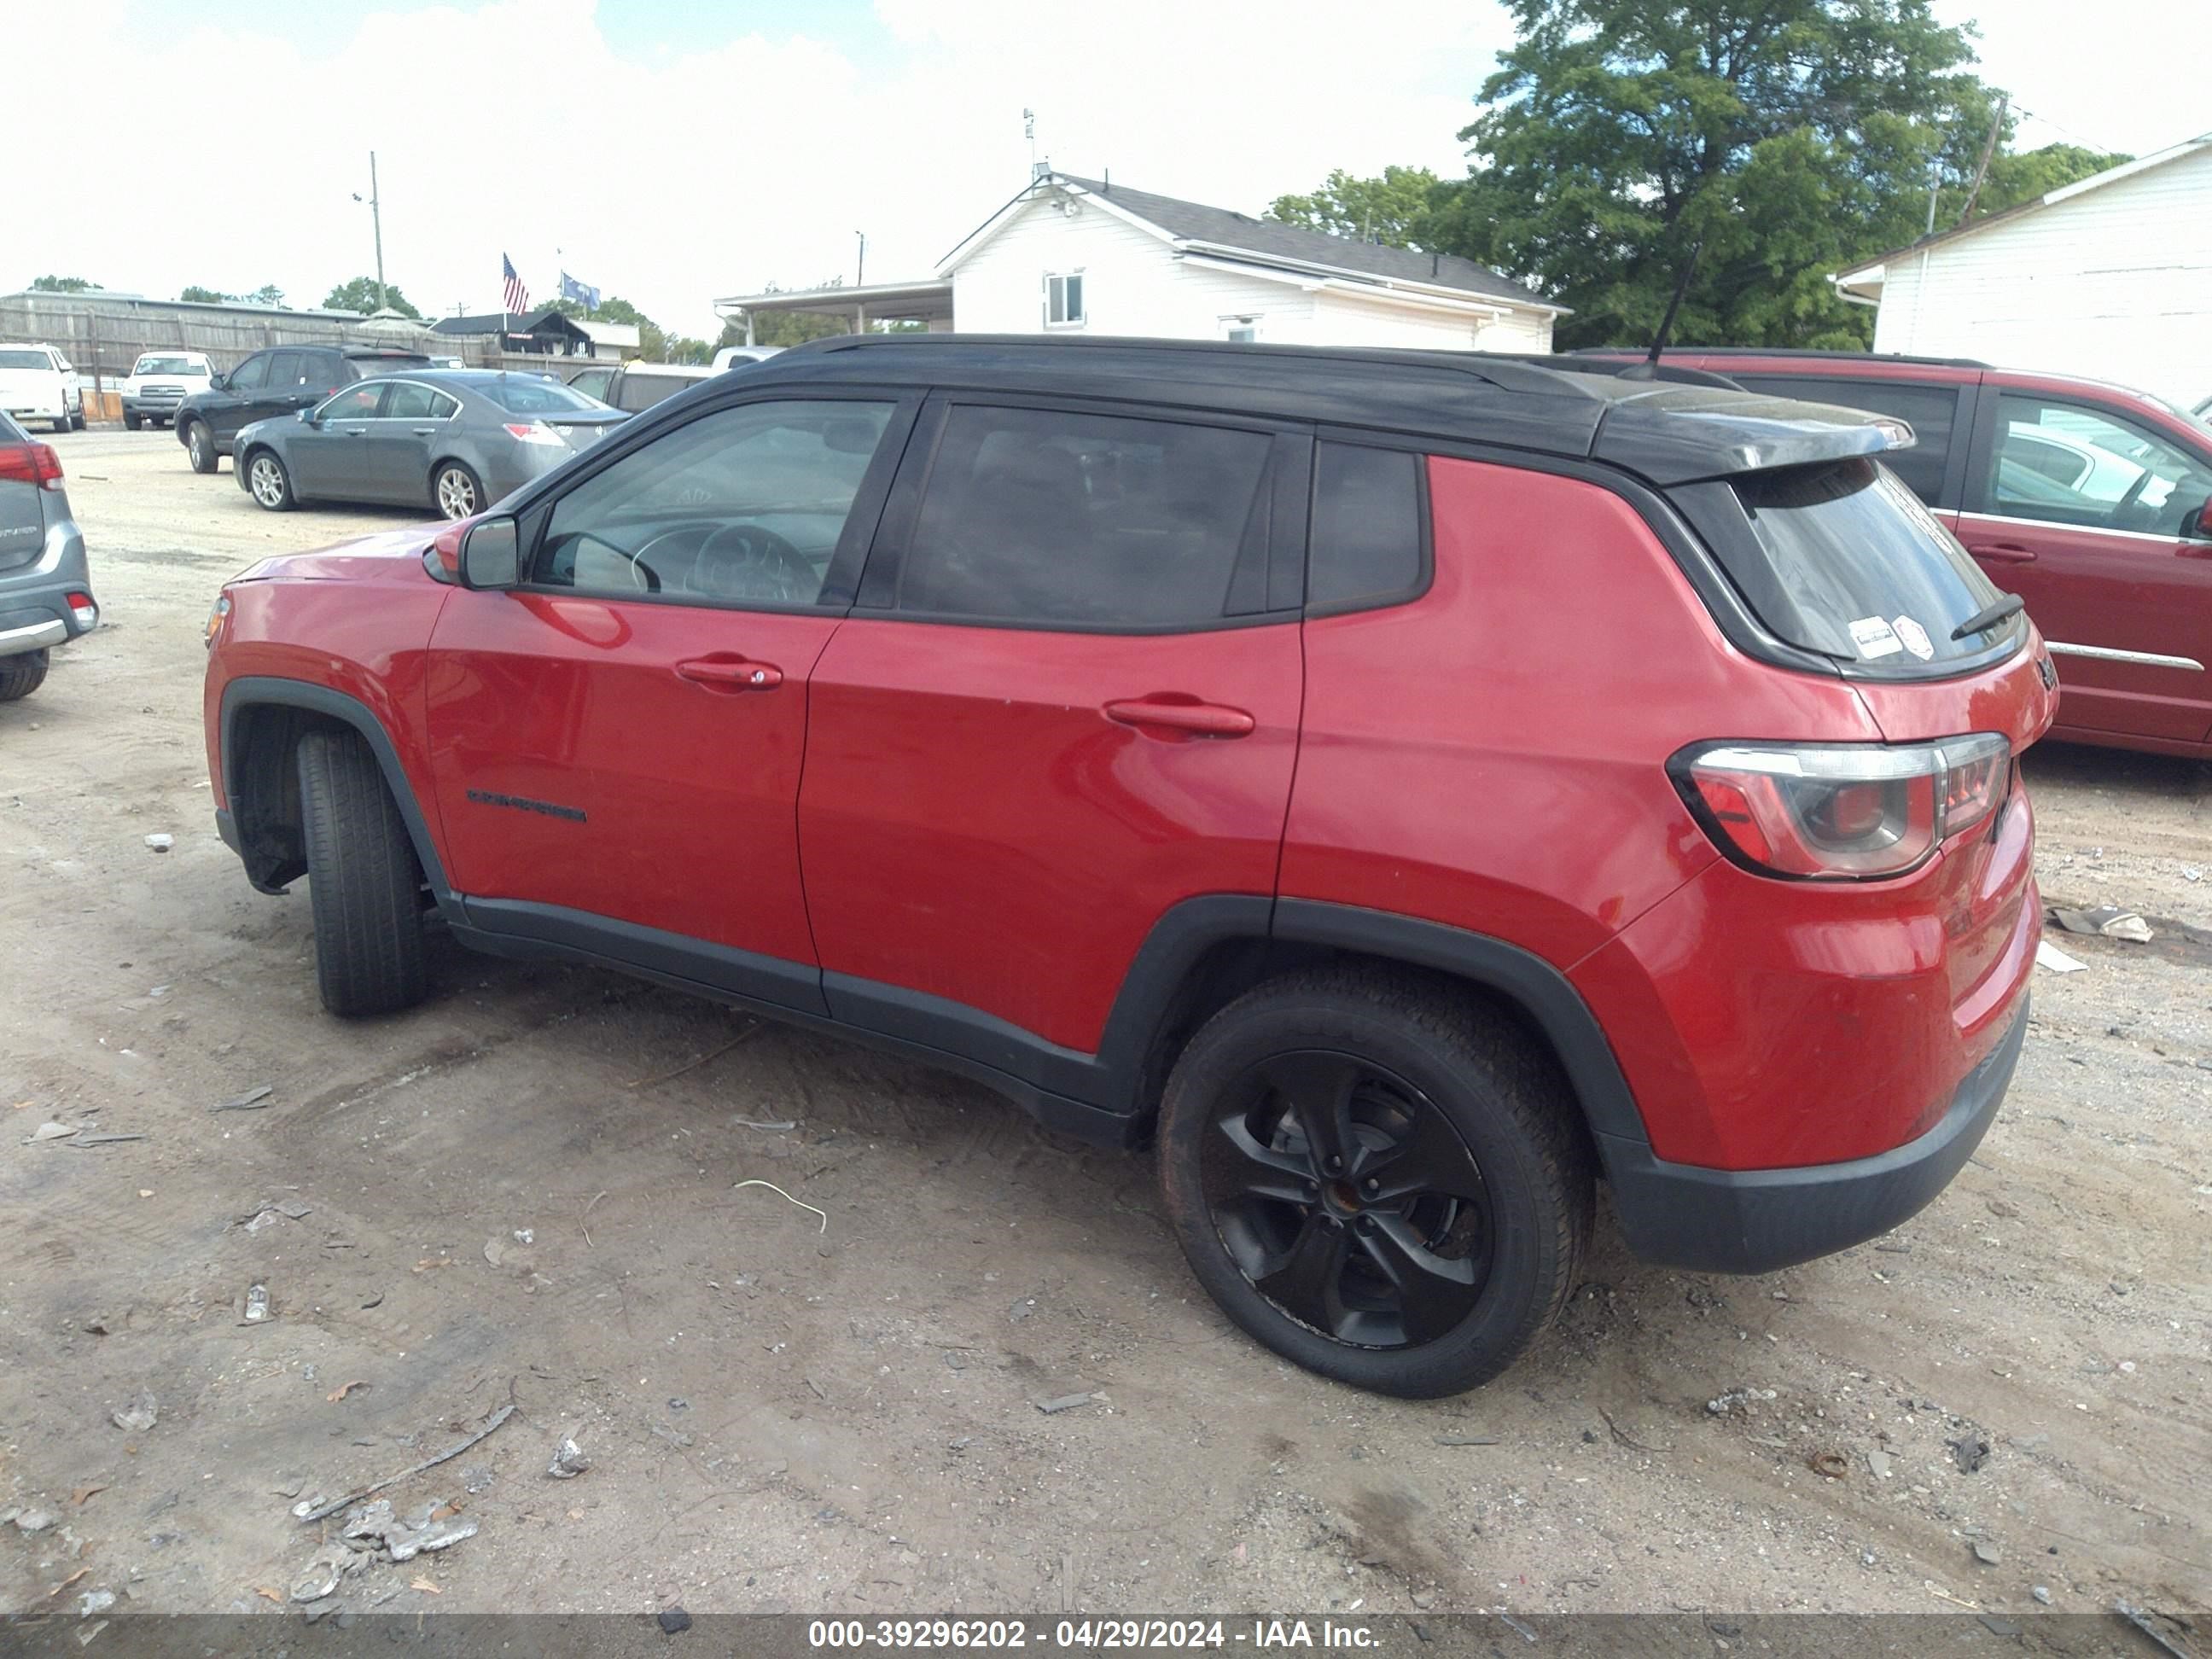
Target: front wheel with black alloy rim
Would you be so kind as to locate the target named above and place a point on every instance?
(268, 483)
(199, 447)
(1376, 1178)
(457, 492)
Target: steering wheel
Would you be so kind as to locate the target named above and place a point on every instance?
(641, 573)
(745, 562)
(2120, 507)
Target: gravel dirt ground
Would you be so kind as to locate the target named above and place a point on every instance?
(526, 1193)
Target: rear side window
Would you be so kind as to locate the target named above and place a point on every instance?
(1930, 411)
(409, 400)
(1058, 517)
(1843, 559)
(1366, 537)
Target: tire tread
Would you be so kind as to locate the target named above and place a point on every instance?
(364, 883)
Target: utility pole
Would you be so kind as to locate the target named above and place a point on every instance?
(376, 221)
(860, 265)
(1982, 168)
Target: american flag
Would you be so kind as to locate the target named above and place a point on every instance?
(518, 297)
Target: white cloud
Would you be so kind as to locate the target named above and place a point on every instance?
(518, 127)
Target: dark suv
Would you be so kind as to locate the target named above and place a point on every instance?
(2092, 501)
(1408, 786)
(271, 383)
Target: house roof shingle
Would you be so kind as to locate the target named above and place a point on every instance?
(1267, 240)
(492, 322)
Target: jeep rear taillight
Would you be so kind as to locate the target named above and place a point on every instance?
(1841, 811)
(31, 464)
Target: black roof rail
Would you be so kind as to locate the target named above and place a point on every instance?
(1576, 363)
(1507, 371)
(1813, 352)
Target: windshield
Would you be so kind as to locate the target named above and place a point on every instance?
(25, 360)
(169, 365)
(524, 395)
(1843, 559)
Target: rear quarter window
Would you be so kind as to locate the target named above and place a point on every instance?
(1366, 546)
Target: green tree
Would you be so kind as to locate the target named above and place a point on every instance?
(2032, 173)
(1785, 137)
(360, 295)
(61, 284)
(1393, 209)
(786, 328)
(267, 294)
(193, 294)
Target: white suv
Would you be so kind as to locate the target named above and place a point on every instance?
(38, 384)
(158, 381)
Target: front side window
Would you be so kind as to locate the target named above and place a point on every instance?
(745, 506)
(355, 402)
(2069, 463)
(1063, 298)
(253, 374)
(1057, 517)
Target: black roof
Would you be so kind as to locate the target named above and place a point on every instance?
(493, 322)
(1661, 430)
(1270, 239)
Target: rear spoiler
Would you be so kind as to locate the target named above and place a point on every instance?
(1677, 433)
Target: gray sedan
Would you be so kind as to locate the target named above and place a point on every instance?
(456, 439)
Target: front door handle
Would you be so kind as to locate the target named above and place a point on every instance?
(424, 431)
(1175, 714)
(2004, 552)
(730, 674)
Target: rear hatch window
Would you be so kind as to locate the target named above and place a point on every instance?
(1841, 558)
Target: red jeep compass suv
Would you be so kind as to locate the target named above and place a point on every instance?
(1409, 787)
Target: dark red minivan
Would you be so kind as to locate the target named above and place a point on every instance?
(2092, 501)
(1409, 787)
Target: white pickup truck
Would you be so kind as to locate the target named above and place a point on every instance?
(38, 384)
(158, 381)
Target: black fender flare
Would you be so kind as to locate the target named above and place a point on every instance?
(264, 691)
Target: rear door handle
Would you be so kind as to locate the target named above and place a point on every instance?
(1205, 719)
(2004, 552)
(730, 674)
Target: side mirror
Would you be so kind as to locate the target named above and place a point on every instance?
(217, 382)
(491, 555)
(305, 417)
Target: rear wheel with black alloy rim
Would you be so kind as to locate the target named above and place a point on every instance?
(268, 483)
(1376, 1178)
(457, 492)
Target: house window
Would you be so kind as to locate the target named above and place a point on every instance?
(1244, 330)
(1063, 300)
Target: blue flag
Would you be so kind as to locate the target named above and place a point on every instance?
(582, 293)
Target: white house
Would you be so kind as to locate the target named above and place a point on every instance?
(2111, 276)
(1081, 256)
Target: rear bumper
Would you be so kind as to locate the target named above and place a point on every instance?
(34, 608)
(1755, 1221)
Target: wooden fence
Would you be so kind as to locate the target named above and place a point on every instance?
(105, 339)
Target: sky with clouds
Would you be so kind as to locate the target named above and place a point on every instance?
(674, 150)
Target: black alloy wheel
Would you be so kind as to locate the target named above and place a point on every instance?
(1348, 1200)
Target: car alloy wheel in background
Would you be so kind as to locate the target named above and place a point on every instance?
(458, 493)
(264, 478)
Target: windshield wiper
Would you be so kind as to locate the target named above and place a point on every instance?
(2007, 604)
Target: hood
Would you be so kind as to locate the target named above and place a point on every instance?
(372, 555)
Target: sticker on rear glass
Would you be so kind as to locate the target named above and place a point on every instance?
(1875, 638)
(1913, 637)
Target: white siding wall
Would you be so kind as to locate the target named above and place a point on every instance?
(1133, 283)
(2116, 285)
